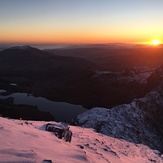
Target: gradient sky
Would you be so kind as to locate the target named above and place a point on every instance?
(80, 21)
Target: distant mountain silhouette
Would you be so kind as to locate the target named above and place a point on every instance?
(43, 73)
(23, 47)
(91, 76)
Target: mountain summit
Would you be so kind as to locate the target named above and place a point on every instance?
(27, 141)
(23, 47)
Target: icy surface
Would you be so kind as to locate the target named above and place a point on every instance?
(27, 141)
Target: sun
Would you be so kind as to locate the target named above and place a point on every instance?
(155, 42)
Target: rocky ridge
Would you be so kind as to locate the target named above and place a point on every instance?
(139, 122)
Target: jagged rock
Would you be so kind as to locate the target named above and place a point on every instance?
(140, 122)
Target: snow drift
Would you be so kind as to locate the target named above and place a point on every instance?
(28, 142)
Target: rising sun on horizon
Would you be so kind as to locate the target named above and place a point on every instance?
(156, 42)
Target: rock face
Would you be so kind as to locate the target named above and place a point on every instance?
(140, 122)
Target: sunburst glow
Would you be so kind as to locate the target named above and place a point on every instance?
(155, 42)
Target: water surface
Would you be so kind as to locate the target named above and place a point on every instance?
(60, 110)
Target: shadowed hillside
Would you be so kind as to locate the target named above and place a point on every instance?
(90, 76)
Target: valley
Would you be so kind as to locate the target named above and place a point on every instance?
(116, 80)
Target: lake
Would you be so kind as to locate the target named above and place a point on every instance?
(60, 110)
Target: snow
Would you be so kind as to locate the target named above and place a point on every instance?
(124, 122)
(13, 84)
(134, 74)
(23, 47)
(138, 74)
(28, 142)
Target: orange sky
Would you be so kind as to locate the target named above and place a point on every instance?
(77, 21)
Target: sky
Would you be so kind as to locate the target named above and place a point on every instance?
(80, 21)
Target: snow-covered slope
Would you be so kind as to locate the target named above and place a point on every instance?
(140, 121)
(28, 142)
(23, 47)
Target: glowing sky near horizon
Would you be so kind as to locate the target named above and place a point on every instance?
(80, 21)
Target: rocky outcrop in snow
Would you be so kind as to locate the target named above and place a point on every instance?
(27, 141)
(140, 122)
